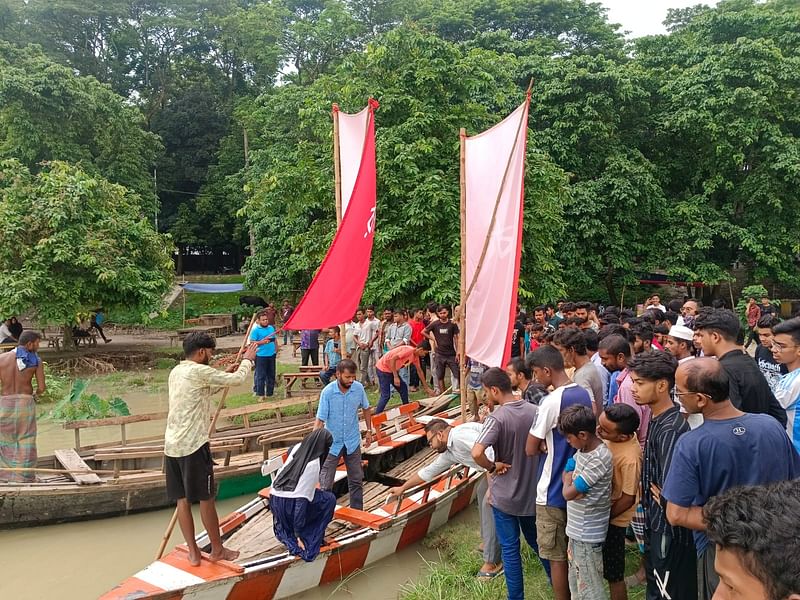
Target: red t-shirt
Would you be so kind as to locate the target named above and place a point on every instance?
(416, 332)
(403, 355)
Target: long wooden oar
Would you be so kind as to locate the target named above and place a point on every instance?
(211, 428)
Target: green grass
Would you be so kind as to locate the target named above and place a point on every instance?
(452, 577)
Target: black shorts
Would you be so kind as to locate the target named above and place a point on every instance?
(671, 568)
(191, 477)
(444, 362)
(614, 554)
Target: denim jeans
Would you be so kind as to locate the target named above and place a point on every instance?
(385, 384)
(264, 384)
(326, 374)
(508, 528)
(586, 571)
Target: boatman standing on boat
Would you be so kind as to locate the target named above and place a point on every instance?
(189, 467)
(18, 407)
(338, 413)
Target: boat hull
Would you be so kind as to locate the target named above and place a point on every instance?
(282, 576)
(25, 506)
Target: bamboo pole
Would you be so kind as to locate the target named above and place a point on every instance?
(496, 206)
(337, 186)
(462, 334)
(211, 429)
(337, 166)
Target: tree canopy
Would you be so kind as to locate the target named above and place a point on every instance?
(675, 153)
(72, 242)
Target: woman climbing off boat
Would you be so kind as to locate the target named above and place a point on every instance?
(301, 512)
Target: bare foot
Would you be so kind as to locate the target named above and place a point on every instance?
(490, 568)
(194, 556)
(225, 554)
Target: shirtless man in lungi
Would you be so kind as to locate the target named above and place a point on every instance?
(18, 406)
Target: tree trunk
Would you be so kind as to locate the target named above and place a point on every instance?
(179, 262)
(612, 293)
(69, 341)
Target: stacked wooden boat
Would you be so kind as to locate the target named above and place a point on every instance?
(127, 477)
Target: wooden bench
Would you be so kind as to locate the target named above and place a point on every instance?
(289, 379)
(87, 341)
(7, 347)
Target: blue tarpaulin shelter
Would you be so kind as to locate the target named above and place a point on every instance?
(213, 288)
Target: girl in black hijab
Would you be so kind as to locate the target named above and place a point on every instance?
(301, 511)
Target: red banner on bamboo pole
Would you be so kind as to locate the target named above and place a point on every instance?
(495, 173)
(336, 289)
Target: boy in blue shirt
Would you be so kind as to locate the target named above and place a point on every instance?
(264, 336)
(332, 356)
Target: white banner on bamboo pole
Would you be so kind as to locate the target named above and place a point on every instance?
(352, 132)
(495, 172)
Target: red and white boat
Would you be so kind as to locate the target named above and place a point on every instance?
(265, 571)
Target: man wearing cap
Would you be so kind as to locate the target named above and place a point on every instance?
(680, 343)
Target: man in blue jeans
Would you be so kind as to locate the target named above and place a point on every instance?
(513, 474)
(263, 335)
(388, 372)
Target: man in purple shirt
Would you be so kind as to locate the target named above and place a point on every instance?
(615, 353)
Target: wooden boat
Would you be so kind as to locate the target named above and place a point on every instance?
(112, 480)
(266, 571)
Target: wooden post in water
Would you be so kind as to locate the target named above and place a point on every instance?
(462, 333)
(211, 428)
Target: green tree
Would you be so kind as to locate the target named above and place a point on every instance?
(47, 113)
(728, 121)
(428, 88)
(592, 116)
(72, 242)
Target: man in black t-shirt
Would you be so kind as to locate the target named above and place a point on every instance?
(518, 340)
(669, 551)
(444, 334)
(767, 364)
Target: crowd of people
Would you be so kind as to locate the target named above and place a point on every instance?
(604, 427)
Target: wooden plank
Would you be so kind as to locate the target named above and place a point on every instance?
(115, 421)
(72, 462)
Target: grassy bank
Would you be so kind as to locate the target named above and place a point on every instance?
(452, 577)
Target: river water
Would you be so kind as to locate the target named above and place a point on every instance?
(80, 561)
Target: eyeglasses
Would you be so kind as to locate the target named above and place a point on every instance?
(779, 347)
(681, 394)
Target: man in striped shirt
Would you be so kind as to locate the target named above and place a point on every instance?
(786, 350)
(669, 551)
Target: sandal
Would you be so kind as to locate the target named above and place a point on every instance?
(486, 575)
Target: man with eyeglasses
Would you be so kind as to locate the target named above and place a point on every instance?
(454, 447)
(786, 351)
(718, 329)
(731, 448)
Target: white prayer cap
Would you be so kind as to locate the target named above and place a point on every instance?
(681, 332)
